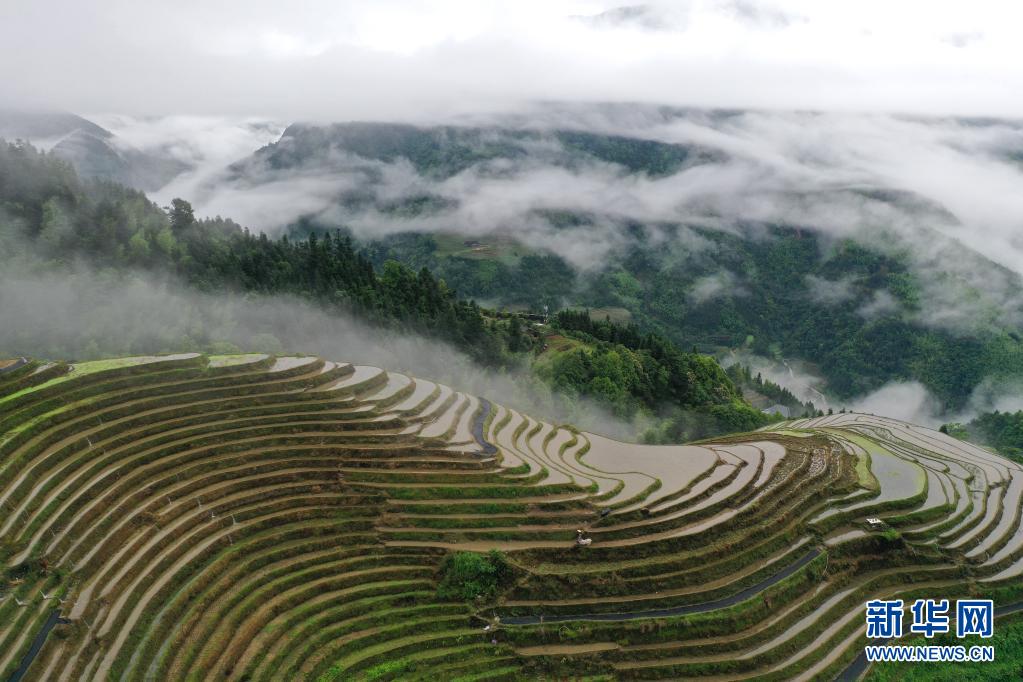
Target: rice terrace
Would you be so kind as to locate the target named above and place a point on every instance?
(252, 517)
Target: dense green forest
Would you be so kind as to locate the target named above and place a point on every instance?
(50, 219)
(858, 314)
(49, 212)
(784, 294)
(444, 151)
(743, 377)
(629, 370)
(1002, 431)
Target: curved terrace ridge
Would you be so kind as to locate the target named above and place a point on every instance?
(249, 517)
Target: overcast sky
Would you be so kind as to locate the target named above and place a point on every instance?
(336, 59)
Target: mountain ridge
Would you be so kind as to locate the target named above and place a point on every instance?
(94, 152)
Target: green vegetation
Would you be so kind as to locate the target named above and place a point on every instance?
(782, 292)
(1001, 430)
(473, 577)
(284, 518)
(49, 213)
(1008, 663)
(688, 394)
(50, 217)
(266, 518)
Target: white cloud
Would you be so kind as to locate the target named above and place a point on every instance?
(882, 303)
(829, 292)
(937, 191)
(85, 314)
(792, 375)
(205, 144)
(708, 288)
(405, 59)
(909, 401)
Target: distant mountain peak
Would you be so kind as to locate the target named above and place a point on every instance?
(46, 125)
(95, 152)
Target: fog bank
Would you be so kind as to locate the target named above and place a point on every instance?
(84, 314)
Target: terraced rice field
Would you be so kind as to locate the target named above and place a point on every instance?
(264, 518)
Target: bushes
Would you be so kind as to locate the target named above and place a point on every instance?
(1001, 430)
(635, 373)
(468, 575)
(1008, 663)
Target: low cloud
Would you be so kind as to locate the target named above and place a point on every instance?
(723, 283)
(1003, 395)
(881, 303)
(792, 375)
(830, 291)
(83, 314)
(912, 402)
(940, 193)
(909, 401)
(204, 145)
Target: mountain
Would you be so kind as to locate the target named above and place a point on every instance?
(51, 222)
(721, 247)
(264, 517)
(45, 125)
(444, 151)
(1002, 431)
(94, 152)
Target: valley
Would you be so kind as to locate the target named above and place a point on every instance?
(438, 341)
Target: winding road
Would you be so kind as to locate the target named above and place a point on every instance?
(675, 611)
(477, 427)
(37, 644)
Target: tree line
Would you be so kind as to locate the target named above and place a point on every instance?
(51, 218)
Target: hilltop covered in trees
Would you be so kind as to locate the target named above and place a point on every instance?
(50, 219)
(688, 394)
(49, 213)
(1001, 430)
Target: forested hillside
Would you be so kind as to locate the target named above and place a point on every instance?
(1002, 431)
(48, 211)
(468, 203)
(628, 370)
(841, 306)
(50, 219)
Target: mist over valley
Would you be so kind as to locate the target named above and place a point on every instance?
(494, 341)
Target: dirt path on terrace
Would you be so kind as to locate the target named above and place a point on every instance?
(547, 499)
(242, 631)
(818, 643)
(30, 466)
(720, 582)
(103, 495)
(566, 649)
(283, 639)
